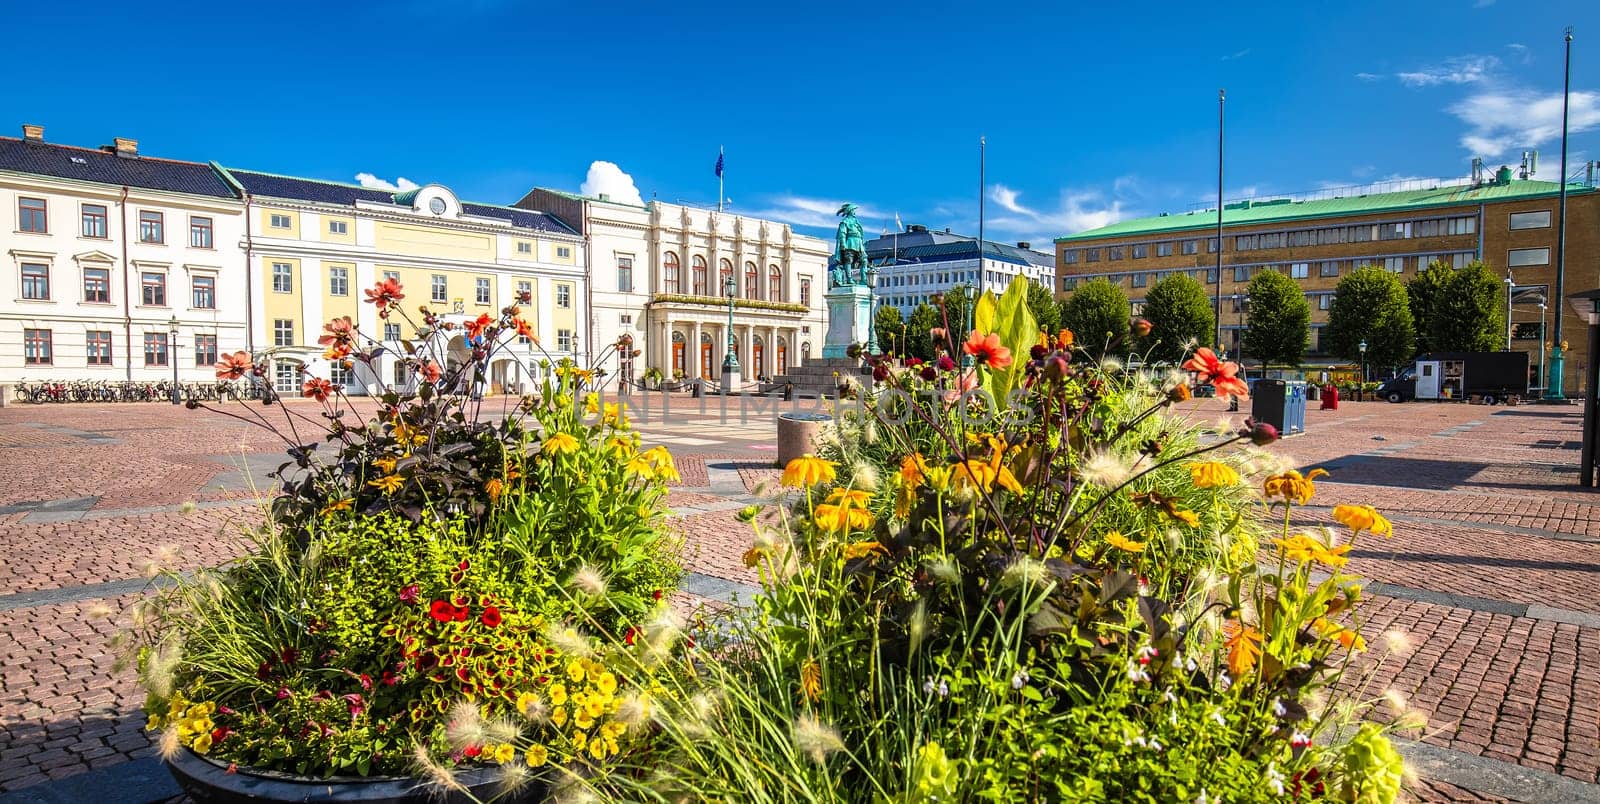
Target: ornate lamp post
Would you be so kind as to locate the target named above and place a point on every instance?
(1587, 305)
(1363, 347)
(172, 357)
(730, 361)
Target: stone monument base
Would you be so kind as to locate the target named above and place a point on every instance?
(849, 319)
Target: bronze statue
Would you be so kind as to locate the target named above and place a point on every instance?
(850, 252)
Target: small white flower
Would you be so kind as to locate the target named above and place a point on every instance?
(1020, 680)
(1278, 707)
(1275, 779)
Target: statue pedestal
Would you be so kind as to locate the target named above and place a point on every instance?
(849, 319)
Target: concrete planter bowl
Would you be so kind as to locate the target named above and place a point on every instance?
(208, 781)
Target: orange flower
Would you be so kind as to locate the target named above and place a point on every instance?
(384, 294)
(987, 350)
(1292, 487)
(339, 331)
(429, 371)
(811, 679)
(495, 488)
(525, 329)
(476, 326)
(316, 388)
(1222, 376)
(234, 366)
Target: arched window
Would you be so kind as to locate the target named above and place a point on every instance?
(783, 356)
(669, 268)
(705, 355)
(752, 281)
(679, 366)
(774, 284)
(724, 276)
(698, 274)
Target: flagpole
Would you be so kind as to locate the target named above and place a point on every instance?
(719, 178)
(1555, 383)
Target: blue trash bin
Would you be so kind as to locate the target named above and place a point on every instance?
(1280, 403)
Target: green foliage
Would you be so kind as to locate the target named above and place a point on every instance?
(954, 303)
(1370, 306)
(1279, 324)
(1042, 303)
(890, 328)
(1458, 310)
(1180, 315)
(1012, 319)
(1097, 314)
(924, 319)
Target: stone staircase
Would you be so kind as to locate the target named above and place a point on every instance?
(815, 377)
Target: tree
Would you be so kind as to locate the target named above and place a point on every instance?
(1179, 312)
(1458, 310)
(890, 329)
(1370, 306)
(1042, 303)
(1278, 323)
(918, 343)
(954, 315)
(1097, 313)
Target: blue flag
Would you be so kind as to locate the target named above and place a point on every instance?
(719, 164)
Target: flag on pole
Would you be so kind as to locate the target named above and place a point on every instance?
(719, 163)
(898, 226)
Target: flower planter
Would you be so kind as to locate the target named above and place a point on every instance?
(208, 781)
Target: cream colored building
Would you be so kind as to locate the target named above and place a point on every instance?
(106, 253)
(313, 246)
(658, 273)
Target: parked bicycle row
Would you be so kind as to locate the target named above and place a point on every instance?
(131, 391)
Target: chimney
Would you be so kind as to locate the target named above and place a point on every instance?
(605, 196)
(126, 148)
(1024, 245)
(32, 133)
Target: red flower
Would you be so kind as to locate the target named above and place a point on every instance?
(442, 611)
(356, 704)
(461, 613)
(525, 329)
(476, 326)
(490, 617)
(283, 692)
(627, 638)
(384, 294)
(1140, 327)
(409, 594)
(472, 751)
(316, 388)
(1221, 375)
(220, 733)
(338, 331)
(389, 679)
(234, 366)
(987, 350)
(429, 370)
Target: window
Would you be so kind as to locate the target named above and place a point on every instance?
(94, 220)
(1394, 231)
(481, 290)
(563, 340)
(805, 290)
(564, 296)
(524, 247)
(205, 351)
(563, 252)
(1394, 265)
(1241, 273)
(31, 217)
(1190, 247)
(669, 273)
(1520, 257)
(1069, 257)
(752, 281)
(151, 227)
(724, 277)
(1299, 270)
(286, 376)
(1211, 276)
(774, 284)
(1140, 251)
(440, 288)
(524, 292)
(625, 273)
(1467, 225)
(1211, 245)
(1114, 253)
(280, 222)
(1329, 268)
(1530, 220)
(153, 289)
(203, 293)
(625, 320)
(282, 277)
(35, 281)
(155, 348)
(395, 275)
(97, 344)
(36, 347)
(97, 285)
(1324, 300)
(338, 281)
(200, 232)
(283, 332)
(391, 332)
(1091, 255)
(1239, 303)
(338, 374)
(1139, 280)
(697, 275)
(1069, 283)
(1163, 249)
(338, 227)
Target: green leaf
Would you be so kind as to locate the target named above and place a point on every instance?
(1013, 321)
(985, 317)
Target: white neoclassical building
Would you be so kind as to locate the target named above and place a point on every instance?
(118, 265)
(659, 274)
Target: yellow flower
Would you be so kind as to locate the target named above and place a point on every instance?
(640, 466)
(575, 671)
(559, 717)
(337, 505)
(582, 719)
(606, 684)
(620, 446)
(579, 740)
(1350, 639)
(1303, 548)
(1292, 487)
(537, 755)
(560, 443)
(591, 404)
(408, 436)
(983, 475)
(613, 416)
(494, 487)
(202, 743)
(385, 465)
(558, 694)
(850, 498)
(661, 460)
(1363, 517)
(1187, 517)
(388, 483)
(505, 752)
(1121, 542)
(1211, 474)
(841, 518)
(806, 471)
(861, 549)
(913, 470)
(811, 679)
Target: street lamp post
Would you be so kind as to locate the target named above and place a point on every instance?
(1511, 290)
(1587, 305)
(1363, 347)
(172, 357)
(730, 361)
(1543, 349)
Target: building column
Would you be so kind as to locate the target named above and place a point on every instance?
(771, 352)
(691, 357)
(748, 347)
(659, 353)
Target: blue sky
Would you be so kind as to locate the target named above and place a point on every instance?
(1093, 112)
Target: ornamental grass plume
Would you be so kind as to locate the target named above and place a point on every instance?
(568, 640)
(169, 744)
(589, 581)
(1025, 571)
(1105, 469)
(512, 778)
(502, 730)
(466, 726)
(435, 774)
(1399, 642)
(814, 738)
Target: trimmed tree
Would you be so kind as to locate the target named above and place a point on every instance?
(1458, 310)
(1370, 305)
(954, 314)
(1278, 323)
(1097, 313)
(891, 330)
(1179, 313)
(918, 342)
(1042, 303)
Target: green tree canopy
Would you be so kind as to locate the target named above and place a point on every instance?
(1179, 312)
(955, 311)
(1042, 303)
(1278, 322)
(1370, 306)
(1458, 310)
(1097, 313)
(918, 344)
(890, 329)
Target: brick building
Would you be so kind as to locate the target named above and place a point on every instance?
(1508, 223)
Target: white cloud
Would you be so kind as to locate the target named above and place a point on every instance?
(1369, 76)
(1237, 55)
(1500, 121)
(399, 185)
(819, 213)
(1461, 70)
(1077, 211)
(608, 179)
(1521, 51)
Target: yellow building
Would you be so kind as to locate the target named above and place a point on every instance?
(312, 246)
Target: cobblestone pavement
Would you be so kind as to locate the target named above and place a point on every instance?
(1493, 576)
